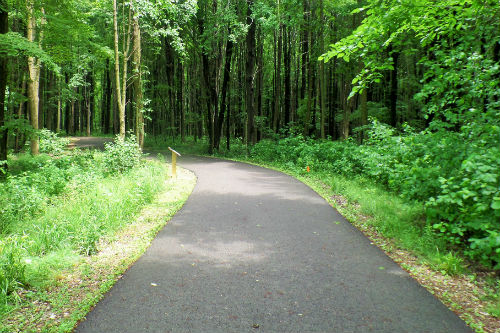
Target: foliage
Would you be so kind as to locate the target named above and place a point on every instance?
(122, 154)
(458, 181)
(51, 143)
(64, 204)
(12, 44)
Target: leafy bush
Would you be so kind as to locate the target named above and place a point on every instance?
(64, 204)
(122, 155)
(455, 174)
(51, 143)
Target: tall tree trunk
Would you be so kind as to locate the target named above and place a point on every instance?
(394, 89)
(308, 67)
(305, 47)
(225, 87)
(347, 108)
(88, 105)
(170, 72)
(364, 111)
(4, 28)
(277, 96)
(287, 69)
(322, 77)
(34, 77)
(20, 112)
(59, 106)
(180, 100)
(249, 76)
(139, 117)
(121, 91)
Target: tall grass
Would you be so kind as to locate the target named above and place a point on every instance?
(55, 209)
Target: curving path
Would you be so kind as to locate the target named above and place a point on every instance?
(254, 250)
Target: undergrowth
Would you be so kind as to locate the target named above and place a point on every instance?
(449, 179)
(55, 208)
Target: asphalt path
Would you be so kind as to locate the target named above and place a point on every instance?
(89, 142)
(254, 250)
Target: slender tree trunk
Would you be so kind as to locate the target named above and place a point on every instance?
(180, 100)
(71, 128)
(305, 48)
(394, 90)
(364, 111)
(277, 96)
(139, 118)
(59, 106)
(34, 77)
(88, 103)
(120, 91)
(322, 77)
(20, 112)
(225, 87)
(249, 76)
(4, 28)
(287, 69)
(308, 69)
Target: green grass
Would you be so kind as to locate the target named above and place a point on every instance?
(55, 254)
(55, 209)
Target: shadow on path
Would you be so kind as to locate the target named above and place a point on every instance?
(256, 250)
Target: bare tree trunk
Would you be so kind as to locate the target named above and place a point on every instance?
(139, 117)
(249, 79)
(4, 28)
(322, 77)
(34, 77)
(225, 84)
(180, 100)
(121, 92)
(20, 111)
(277, 96)
(287, 69)
(59, 106)
(347, 105)
(394, 89)
(307, 41)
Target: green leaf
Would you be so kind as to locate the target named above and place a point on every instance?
(496, 203)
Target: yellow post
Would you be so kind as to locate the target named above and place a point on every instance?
(174, 162)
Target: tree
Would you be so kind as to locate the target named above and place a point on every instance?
(4, 28)
(121, 85)
(34, 65)
(249, 76)
(139, 117)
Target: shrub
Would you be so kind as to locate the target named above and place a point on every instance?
(122, 155)
(51, 143)
(455, 174)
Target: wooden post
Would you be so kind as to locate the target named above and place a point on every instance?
(174, 162)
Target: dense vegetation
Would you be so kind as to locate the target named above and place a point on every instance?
(57, 207)
(307, 75)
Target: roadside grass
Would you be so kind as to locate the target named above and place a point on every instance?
(398, 227)
(82, 244)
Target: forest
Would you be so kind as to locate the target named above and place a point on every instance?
(403, 92)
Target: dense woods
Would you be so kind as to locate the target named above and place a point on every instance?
(402, 96)
(410, 88)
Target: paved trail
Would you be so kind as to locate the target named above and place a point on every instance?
(254, 250)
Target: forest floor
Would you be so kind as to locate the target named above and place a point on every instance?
(254, 248)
